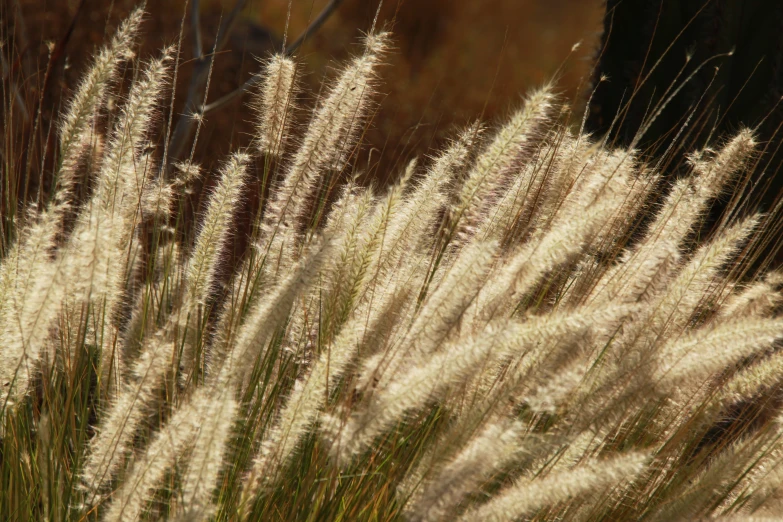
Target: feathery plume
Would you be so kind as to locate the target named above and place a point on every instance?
(330, 133)
(533, 261)
(215, 229)
(527, 496)
(760, 376)
(167, 445)
(692, 285)
(33, 296)
(104, 231)
(120, 181)
(275, 104)
(509, 150)
(428, 381)
(55, 280)
(441, 311)
(710, 350)
(758, 299)
(267, 315)
(119, 424)
(497, 445)
(88, 99)
(646, 266)
(217, 411)
(307, 398)
(157, 200)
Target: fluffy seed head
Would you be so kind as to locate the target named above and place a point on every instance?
(275, 105)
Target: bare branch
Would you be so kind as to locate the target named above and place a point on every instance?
(233, 94)
(314, 26)
(195, 17)
(195, 111)
(253, 80)
(196, 97)
(227, 27)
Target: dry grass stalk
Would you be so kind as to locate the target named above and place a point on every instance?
(511, 330)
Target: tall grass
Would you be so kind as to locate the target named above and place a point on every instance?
(529, 325)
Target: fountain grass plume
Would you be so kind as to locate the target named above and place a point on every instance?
(529, 324)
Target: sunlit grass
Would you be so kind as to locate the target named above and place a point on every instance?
(526, 325)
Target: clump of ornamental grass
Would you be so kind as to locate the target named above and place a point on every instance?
(528, 325)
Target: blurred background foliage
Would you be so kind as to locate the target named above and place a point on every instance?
(454, 62)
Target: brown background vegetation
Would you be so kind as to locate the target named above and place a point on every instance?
(453, 62)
